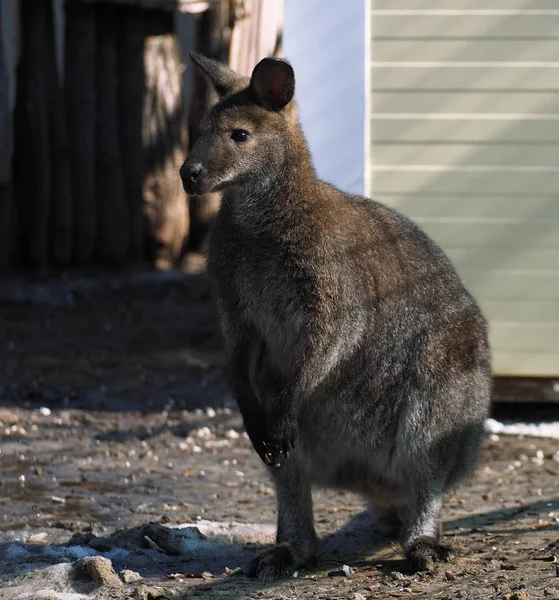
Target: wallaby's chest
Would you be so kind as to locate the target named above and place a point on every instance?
(267, 293)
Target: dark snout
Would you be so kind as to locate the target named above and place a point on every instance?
(191, 175)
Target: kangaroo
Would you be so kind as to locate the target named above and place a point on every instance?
(358, 359)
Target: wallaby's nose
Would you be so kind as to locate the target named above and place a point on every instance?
(189, 172)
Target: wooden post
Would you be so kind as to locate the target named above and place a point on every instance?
(32, 147)
(112, 232)
(6, 146)
(61, 228)
(213, 36)
(164, 142)
(80, 83)
(131, 74)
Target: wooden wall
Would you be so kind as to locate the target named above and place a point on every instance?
(93, 176)
(97, 128)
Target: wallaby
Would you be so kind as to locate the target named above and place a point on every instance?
(358, 358)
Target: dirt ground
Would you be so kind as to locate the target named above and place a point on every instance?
(117, 427)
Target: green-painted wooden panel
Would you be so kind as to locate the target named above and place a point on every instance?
(467, 130)
(465, 140)
(540, 337)
(534, 103)
(496, 256)
(526, 364)
(462, 25)
(472, 78)
(450, 181)
(471, 205)
(467, 154)
(482, 232)
(521, 311)
(484, 50)
(490, 284)
(466, 4)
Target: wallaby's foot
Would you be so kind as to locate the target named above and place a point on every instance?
(279, 561)
(424, 551)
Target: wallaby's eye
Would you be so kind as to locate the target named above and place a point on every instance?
(239, 135)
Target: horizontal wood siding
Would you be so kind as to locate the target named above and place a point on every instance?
(465, 140)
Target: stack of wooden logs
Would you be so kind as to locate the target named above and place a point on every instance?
(97, 147)
(90, 152)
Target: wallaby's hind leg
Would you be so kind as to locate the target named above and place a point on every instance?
(422, 532)
(296, 538)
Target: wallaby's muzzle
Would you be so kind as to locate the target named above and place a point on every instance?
(191, 175)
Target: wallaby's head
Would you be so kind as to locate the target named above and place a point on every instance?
(245, 137)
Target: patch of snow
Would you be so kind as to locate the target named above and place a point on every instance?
(544, 429)
(205, 534)
(50, 595)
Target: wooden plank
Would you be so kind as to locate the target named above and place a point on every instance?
(496, 256)
(521, 311)
(473, 78)
(450, 181)
(519, 206)
(522, 390)
(480, 232)
(463, 49)
(112, 233)
(491, 284)
(466, 154)
(525, 337)
(468, 130)
(498, 102)
(131, 75)
(61, 212)
(460, 25)
(164, 142)
(81, 102)
(6, 149)
(525, 364)
(213, 35)
(32, 144)
(505, 5)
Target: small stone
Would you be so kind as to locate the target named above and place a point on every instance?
(130, 576)
(99, 569)
(358, 596)
(397, 576)
(37, 538)
(44, 411)
(231, 434)
(450, 576)
(551, 592)
(520, 595)
(345, 571)
(58, 500)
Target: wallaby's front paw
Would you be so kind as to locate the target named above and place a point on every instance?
(274, 563)
(282, 434)
(423, 552)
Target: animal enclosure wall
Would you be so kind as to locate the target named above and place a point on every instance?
(465, 130)
(98, 142)
(96, 128)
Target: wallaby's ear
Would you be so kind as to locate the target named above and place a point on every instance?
(224, 79)
(272, 83)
